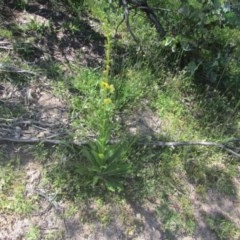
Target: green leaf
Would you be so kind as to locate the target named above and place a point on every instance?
(95, 181)
(118, 169)
(114, 186)
(118, 152)
(88, 154)
(110, 187)
(82, 170)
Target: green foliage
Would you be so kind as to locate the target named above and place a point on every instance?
(174, 221)
(201, 34)
(223, 228)
(74, 6)
(5, 33)
(86, 86)
(104, 164)
(34, 233)
(132, 86)
(20, 4)
(33, 26)
(13, 193)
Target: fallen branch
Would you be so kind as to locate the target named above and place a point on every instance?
(12, 69)
(50, 141)
(6, 47)
(201, 143)
(32, 140)
(17, 122)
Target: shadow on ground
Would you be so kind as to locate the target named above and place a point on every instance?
(43, 36)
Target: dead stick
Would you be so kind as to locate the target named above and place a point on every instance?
(154, 144)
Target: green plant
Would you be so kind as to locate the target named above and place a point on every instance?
(6, 177)
(223, 228)
(74, 6)
(105, 164)
(202, 41)
(174, 221)
(12, 192)
(5, 33)
(55, 235)
(34, 233)
(85, 99)
(34, 26)
(20, 4)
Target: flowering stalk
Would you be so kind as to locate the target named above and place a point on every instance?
(106, 91)
(106, 164)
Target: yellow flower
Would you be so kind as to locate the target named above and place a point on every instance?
(111, 89)
(107, 101)
(105, 85)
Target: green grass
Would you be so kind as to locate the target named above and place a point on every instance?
(175, 222)
(161, 173)
(5, 33)
(34, 233)
(223, 228)
(13, 193)
(33, 26)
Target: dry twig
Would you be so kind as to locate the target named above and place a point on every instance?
(142, 6)
(12, 69)
(48, 140)
(200, 143)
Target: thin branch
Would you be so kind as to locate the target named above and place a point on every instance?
(126, 17)
(143, 6)
(13, 69)
(32, 140)
(179, 144)
(162, 9)
(153, 144)
(232, 140)
(119, 25)
(6, 47)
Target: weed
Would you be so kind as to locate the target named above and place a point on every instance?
(20, 4)
(34, 26)
(223, 228)
(54, 235)
(12, 192)
(27, 50)
(13, 111)
(105, 163)
(52, 70)
(85, 85)
(5, 33)
(75, 6)
(72, 27)
(173, 221)
(33, 233)
(7, 177)
(132, 87)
